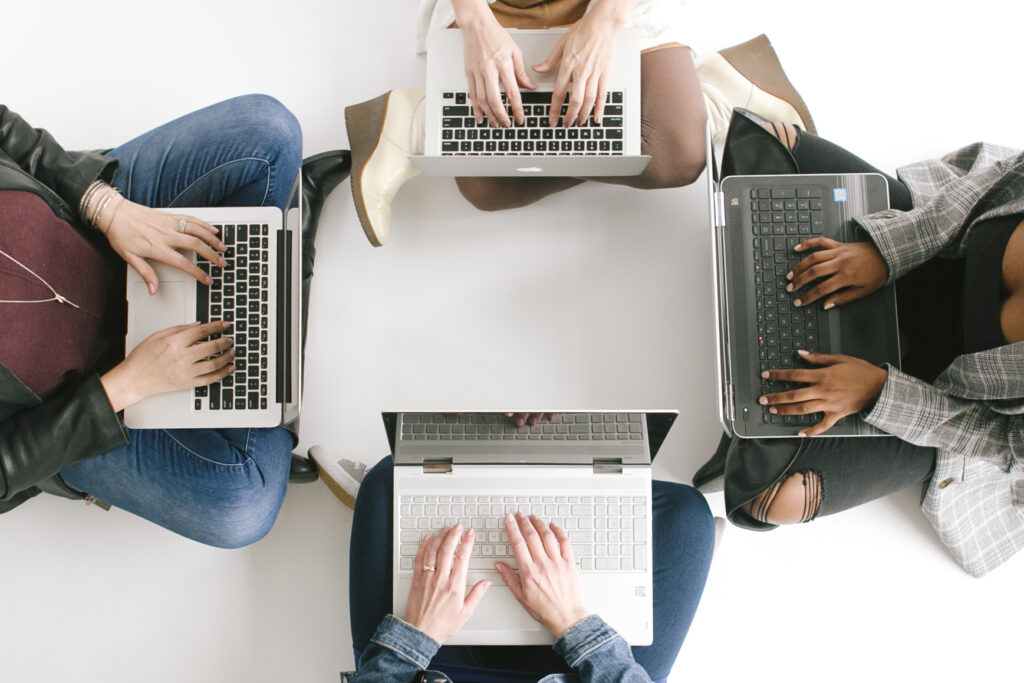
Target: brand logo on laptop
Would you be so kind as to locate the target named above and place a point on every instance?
(839, 194)
(530, 169)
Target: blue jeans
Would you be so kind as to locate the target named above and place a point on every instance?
(222, 487)
(683, 536)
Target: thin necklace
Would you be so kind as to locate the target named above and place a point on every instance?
(56, 297)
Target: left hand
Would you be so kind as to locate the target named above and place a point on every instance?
(583, 57)
(843, 386)
(438, 604)
(138, 233)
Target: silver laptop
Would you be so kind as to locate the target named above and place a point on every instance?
(259, 291)
(455, 145)
(755, 223)
(587, 471)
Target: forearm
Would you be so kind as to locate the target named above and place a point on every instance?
(397, 652)
(598, 654)
(617, 12)
(925, 415)
(38, 442)
(472, 13)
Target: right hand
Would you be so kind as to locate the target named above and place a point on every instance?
(847, 271)
(170, 360)
(548, 584)
(493, 60)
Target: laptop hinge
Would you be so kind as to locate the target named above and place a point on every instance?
(607, 465)
(719, 209)
(437, 466)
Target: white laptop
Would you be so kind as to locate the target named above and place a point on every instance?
(587, 471)
(259, 291)
(455, 145)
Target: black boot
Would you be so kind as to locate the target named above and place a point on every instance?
(321, 173)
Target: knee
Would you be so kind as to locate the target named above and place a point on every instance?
(791, 501)
(684, 510)
(672, 167)
(484, 194)
(265, 118)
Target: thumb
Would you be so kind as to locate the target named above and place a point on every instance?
(476, 594)
(552, 61)
(146, 272)
(521, 76)
(510, 578)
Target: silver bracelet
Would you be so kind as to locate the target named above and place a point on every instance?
(102, 204)
(83, 205)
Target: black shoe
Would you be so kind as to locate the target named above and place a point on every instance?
(302, 470)
(321, 173)
(752, 150)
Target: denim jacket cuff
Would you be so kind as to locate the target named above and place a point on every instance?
(583, 638)
(405, 640)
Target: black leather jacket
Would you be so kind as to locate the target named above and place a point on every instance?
(38, 438)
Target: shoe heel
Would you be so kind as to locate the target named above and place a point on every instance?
(365, 123)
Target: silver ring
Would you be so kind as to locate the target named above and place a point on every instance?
(181, 225)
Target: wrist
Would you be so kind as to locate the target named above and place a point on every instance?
(119, 388)
(615, 12)
(562, 624)
(472, 14)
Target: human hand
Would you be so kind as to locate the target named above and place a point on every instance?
(843, 386)
(170, 360)
(547, 584)
(138, 233)
(522, 419)
(846, 270)
(583, 57)
(438, 604)
(492, 60)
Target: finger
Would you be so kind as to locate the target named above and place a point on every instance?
(515, 100)
(818, 243)
(515, 539)
(572, 110)
(421, 558)
(589, 97)
(532, 538)
(465, 551)
(430, 558)
(798, 375)
(565, 545)
(471, 86)
(811, 260)
(498, 115)
(822, 358)
(212, 365)
(558, 99)
(202, 231)
(826, 423)
(481, 100)
(196, 332)
(446, 553)
(553, 60)
(602, 94)
(476, 594)
(216, 376)
(535, 418)
(826, 287)
(145, 271)
(199, 222)
(792, 396)
(191, 243)
(213, 347)
(185, 265)
(522, 76)
(547, 537)
(511, 579)
(844, 297)
(809, 275)
(805, 408)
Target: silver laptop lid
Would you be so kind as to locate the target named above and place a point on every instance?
(290, 357)
(719, 304)
(615, 438)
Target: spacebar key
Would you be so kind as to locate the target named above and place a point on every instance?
(487, 563)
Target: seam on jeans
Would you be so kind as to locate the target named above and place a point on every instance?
(585, 653)
(266, 190)
(202, 457)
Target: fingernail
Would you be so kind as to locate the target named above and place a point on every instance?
(789, 287)
(470, 533)
(773, 411)
(802, 352)
(222, 246)
(763, 401)
(222, 262)
(798, 247)
(231, 368)
(764, 375)
(802, 434)
(789, 275)
(829, 305)
(797, 302)
(208, 280)
(226, 324)
(216, 230)
(194, 323)
(508, 517)
(152, 289)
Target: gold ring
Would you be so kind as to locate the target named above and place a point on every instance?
(429, 568)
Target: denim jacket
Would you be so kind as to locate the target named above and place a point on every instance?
(399, 652)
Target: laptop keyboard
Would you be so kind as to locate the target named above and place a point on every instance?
(496, 427)
(461, 135)
(781, 218)
(240, 294)
(608, 533)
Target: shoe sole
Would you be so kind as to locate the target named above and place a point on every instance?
(335, 488)
(757, 61)
(365, 123)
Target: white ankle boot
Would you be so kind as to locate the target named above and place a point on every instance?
(750, 76)
(382, 133)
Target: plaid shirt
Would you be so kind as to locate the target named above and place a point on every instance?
(974, 412)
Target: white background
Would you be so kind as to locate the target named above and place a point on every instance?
(596, 298)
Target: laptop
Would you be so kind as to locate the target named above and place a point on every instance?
(456, 145)
(590, 472)
(755, 223)
(259, 291)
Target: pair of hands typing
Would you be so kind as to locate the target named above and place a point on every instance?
(547, 583)
(835, 273)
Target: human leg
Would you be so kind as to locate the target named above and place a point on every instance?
(241, 152)
(684, 538)
(370, 554)
(222, 487)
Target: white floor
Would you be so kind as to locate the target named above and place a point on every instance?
(599, 297)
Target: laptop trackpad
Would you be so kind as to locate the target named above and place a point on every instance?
(499, 610)
(166, 308)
